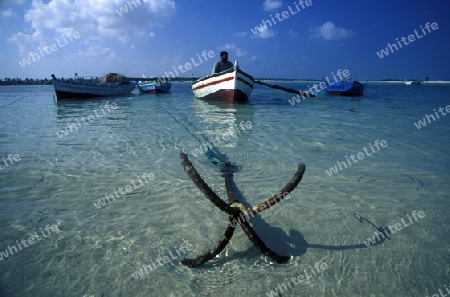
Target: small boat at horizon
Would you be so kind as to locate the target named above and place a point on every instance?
(413, 82)
(232, 85)
(346, 87)
(111, 84)
(152, 87)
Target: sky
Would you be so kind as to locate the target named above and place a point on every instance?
(269, 38)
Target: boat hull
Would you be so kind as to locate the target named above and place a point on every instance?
(69, 90)
(413, 82)
(346, 88)
(232, 85)
(153, 88)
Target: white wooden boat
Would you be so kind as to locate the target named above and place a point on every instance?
(232, 85)
(413, 82)
(88, 89)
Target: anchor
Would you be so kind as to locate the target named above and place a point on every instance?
(236, 211)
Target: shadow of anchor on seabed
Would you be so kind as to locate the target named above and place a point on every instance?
(237, 210)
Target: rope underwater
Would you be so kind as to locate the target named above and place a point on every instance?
(362, 219)
(381, 95)
(24, 96)
(212, 154)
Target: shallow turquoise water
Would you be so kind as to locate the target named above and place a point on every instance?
(96, 251)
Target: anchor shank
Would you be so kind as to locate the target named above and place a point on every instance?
(202, 186)
(229, 187)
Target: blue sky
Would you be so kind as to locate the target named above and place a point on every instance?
(155, 36)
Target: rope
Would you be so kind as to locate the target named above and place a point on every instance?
(381, 95)
(361, 220)
(222, 162)
(24, 96)
(212, 154)
(181, 124)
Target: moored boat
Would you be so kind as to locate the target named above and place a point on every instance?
(413, 82)
(232, 85)
(112, 84)
(152, 87)
(346, 87)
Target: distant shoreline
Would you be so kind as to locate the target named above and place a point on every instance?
(16, 81)
(369, 81)
(423, 82)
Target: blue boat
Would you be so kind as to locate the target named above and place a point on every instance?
(151, 87)
(346, 87)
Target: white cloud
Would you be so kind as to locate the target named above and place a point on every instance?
(7, 13)
(240, 34)
(124, 38)
(100, 19)
(240, 52)
(271, 4)
(329, 31)
(94, 49)
(95, 21)
(25, 42)
(265, 33)
(168, 62)
(231, 47)
(228, 46)
(253, 58)
(292, 34)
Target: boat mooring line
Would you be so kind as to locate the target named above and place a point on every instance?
(212, 153)
(362, 219)
(186, 128)
(24, 96)
(381, 95)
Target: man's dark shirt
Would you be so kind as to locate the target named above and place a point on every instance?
(221, 66)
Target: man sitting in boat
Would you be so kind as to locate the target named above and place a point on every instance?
(223, 64)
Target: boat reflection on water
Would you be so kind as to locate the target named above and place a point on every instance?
(223, 124)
